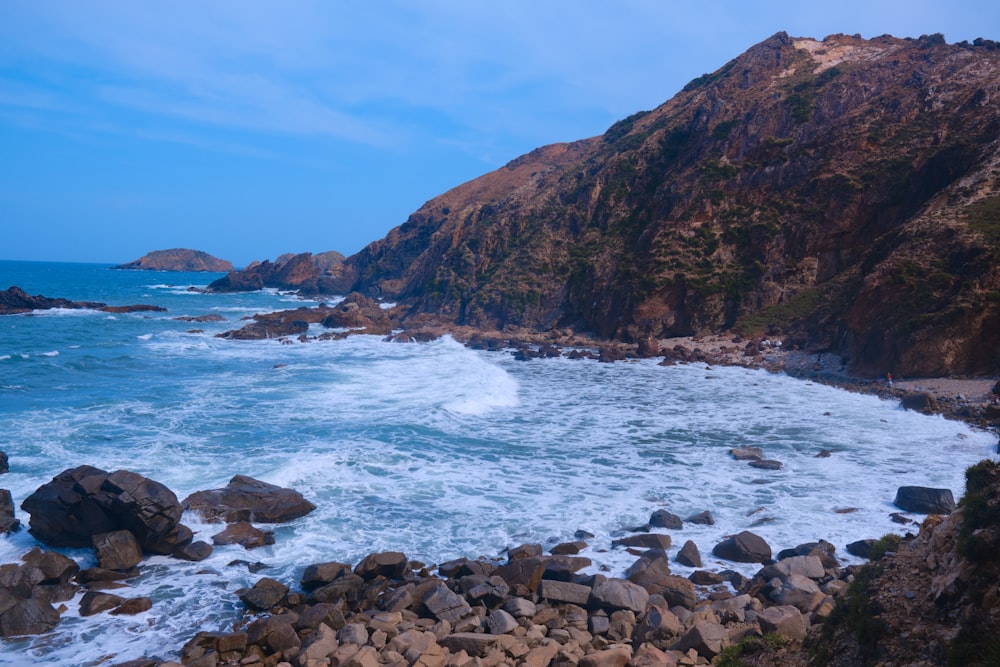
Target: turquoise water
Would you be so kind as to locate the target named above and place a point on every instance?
(434, 449)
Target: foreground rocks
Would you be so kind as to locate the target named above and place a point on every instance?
(532, 609)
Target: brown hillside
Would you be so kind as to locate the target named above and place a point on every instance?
(844, 192)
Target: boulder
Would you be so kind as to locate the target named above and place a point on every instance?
(244, 534)
(133, 606)
(663, 519)
(388, 564)
(786, 621)
(702, 519)
(4, 463)
(919, 402)
(648, 346)
(706, 637)
(614, 594)
(264, 594)
(617, 656)
(644, 541)
(500, 622)
(320, 574)
(744, 547)
(8, 522)
(689, 555)
(924, 500)
(117, 550)
(55, 567)
(747, 453)
(195, 551)
(94, 602)
(82, 502)
(524, 575)
(861, 548)
(650, 570)
(248, 499)
(30, 616)
(445, 604)
(766, 464)
(564, 592)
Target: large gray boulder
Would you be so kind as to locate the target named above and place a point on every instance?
(82, 502)
(925, 500)
(744, 547)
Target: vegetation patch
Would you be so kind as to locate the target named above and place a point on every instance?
(732, 656)
(984, 217)
(857, 614)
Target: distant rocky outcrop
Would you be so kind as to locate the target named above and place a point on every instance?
(306, 273)
(177, 259)
(15, 300)
(841, 191)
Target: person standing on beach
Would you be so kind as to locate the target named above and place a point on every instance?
(888, 377)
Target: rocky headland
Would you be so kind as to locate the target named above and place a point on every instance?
(177, 259)
(15, 301)
(306, 273)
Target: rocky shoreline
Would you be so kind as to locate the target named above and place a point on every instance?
(529, 606)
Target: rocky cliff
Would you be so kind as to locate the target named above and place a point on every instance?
(844, 192)
(307, 273)
(177, 259)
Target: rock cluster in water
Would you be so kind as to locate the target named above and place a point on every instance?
(14, 301)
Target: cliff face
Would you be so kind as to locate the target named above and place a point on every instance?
(178, 259)
(843, 191)
(306, 273)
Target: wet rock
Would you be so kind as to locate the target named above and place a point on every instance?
(320, 574)
(744, 547)
(861, 548)
(648, 346)
(55, 567)
(196, 551)
(117, 550)
(663, 519)
(82, 502)
(747, 453)
(701, 518)
(920, 402)
(644, 541)
(30, 616)
(609, 355)
(4, 463)
(264, 594)
(94, 602)
(249, 499)
(924, 500)
(244, 534)
(689, 555)
(132, 606)
(568, 548)
(388, 564)
(8, 522)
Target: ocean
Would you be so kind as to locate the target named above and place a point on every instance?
(435, 449)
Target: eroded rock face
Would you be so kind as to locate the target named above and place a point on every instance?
(305, 272)
(720, 218)
(249, 499)
(82, 502)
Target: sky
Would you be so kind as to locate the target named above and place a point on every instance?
(251, 128)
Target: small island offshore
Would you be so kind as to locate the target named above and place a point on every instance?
(177, 259)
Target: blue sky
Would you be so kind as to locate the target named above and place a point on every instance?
(249, 129)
